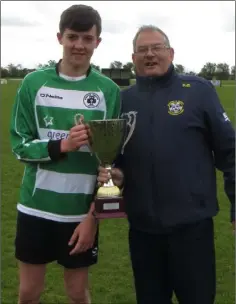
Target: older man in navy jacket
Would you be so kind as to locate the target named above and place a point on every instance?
(181, 134)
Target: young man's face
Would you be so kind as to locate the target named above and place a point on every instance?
(78, 47)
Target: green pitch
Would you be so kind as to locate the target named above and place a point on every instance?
(111, 280)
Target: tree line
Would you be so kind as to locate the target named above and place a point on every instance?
(220, 71)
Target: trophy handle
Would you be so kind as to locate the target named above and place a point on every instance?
(131, 123)
(78, 118)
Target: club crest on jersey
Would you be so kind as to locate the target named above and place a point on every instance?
(175, 107)
(91, 100)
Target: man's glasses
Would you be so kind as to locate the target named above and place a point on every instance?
(156, 49)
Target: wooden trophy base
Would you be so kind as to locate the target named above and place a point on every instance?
(109, 207)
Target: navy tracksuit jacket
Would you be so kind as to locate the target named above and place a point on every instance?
(181, 134)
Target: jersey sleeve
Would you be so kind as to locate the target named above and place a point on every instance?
(23, 129)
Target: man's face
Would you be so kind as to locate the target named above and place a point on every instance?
(78, 47)
(151, 57)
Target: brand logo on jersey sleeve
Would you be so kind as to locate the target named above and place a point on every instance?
(91, 100)
(175, 107)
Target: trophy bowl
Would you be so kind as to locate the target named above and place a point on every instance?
(106, 140)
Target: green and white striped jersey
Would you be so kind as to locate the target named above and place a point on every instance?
(44, 110)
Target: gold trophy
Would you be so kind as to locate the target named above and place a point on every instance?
(107, 139)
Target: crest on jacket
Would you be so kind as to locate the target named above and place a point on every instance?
(175, 107)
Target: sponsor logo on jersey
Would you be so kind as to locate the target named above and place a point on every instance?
(46, 95)
(91, 100)
(56, 135)
(176, 107)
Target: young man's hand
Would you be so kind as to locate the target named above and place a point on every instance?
(78, 136)
(84, 235)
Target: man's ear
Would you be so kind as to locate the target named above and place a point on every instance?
(133, 57)
(59, 37)
(172, 53)
(99, 41)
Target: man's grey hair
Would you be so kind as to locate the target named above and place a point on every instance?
(153, 28)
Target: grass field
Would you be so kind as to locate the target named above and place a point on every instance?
(111, 279)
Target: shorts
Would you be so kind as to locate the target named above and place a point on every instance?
(41, 241)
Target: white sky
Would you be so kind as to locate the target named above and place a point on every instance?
(199, 31)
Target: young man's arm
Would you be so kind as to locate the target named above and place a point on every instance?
(25, 142)
(24, 137)
(222, 140)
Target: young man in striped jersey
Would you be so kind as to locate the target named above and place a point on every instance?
(55, 221)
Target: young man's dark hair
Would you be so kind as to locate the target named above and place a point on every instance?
(80, 18)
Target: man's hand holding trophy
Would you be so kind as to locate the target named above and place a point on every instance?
(115, 174)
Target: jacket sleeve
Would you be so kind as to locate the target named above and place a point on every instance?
(222, 140)
(24, 139)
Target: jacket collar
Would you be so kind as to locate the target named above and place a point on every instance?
(156, 81)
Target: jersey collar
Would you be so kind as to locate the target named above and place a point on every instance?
(58, 64)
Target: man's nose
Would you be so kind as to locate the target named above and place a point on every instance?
(78, 44)
(150, 52)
